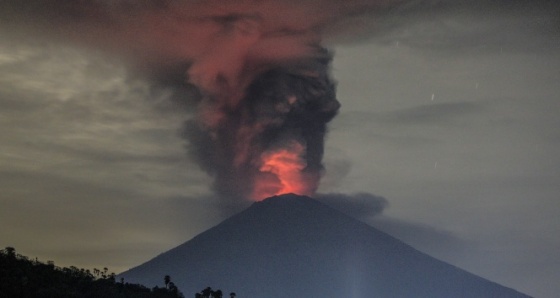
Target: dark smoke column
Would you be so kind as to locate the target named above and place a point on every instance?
(271, 140)
(259, 65)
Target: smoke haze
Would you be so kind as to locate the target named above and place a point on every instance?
(265, 95)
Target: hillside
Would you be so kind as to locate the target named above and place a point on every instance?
(295, 246)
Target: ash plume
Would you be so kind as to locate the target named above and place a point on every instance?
(262, 74)
(284, 107)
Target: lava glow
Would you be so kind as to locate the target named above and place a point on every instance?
(281, 172)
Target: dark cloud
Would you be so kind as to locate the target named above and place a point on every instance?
(362, 206)
(170, 32)
(228, 50)
(283, 110)
(235, 53)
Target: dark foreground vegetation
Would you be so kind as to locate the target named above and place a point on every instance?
(21, 277)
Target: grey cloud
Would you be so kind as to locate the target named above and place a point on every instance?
(338, 167)
(362, 206)
(113, 156)
(234, 53)
(36, 186)
(450, 27)
(439, 113)
(369, 208)
(423, 237)
(170, 32)
(80, 115)
(447, 113)
(108, 225)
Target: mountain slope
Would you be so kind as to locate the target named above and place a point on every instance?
(294, 246)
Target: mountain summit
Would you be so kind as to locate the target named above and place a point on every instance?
(295, 246)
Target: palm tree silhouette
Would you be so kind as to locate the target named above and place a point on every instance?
(167, 280)
(207, 292)
(173, 289)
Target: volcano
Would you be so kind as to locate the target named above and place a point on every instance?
(295, 246)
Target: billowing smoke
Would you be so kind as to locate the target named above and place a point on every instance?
(271, 141)
(263, 75)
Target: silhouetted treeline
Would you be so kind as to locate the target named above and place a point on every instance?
(21, 277)
(209, 293)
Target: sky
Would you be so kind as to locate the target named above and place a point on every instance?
(448, 115)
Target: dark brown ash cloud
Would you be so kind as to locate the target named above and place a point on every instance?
(283, 107)
(265, 95)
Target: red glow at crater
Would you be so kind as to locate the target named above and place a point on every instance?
(281, 172)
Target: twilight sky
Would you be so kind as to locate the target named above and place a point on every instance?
(449, 112)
